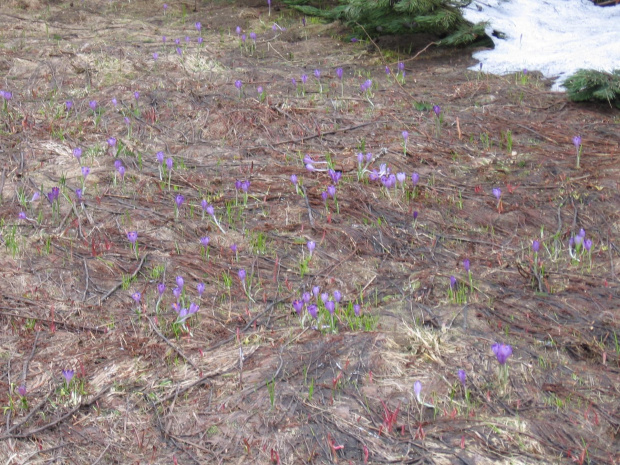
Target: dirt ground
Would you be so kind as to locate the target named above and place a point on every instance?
(245, 379)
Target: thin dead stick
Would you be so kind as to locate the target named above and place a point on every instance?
(58, 420)
(25, 369)
(133, 275)
(327, 133)
(30, 414)
(87, 280)
(175, 348)
(303, 188)
(101, 456)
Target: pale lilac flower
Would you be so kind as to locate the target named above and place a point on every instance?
(462, 377)
(193, 308)
(306, 297)
(177, 291)
(179, 200)
(180, 281)
(298, 305)
(200, 288)
(160, 157)
(324, 297)
(387, 70)
(405, 135)
(200, 40)
(238, 84)
(452, 282)
(68, 105)
(331, 191)
(77, 153)
(111, 141)
(437, 110)
(22, 216)
(253, 36)
(132, 236)
(238, 30)
(587, 244)
(136, 95)
(294, 179)
(577, 142)
(339, 73)
(161, 288)
(324, 196)
(357, 309)
(337, 296)
(78, 194)
(241, 273)
(21, 390)
(121, 171)
(330, 306)
(136, 296)
(204, 241)
(466, 264)
(169, 163)
(415, 178)
(417, 389)
(400, 177)
(179, 51)
(198, 26)
(535, 246)
(315, 291)
(93, 105)
(85, 171)
(243, 37)
(35, 197)
(497, 192)
(304, 78)
(114, 102)
(155, 56)
(311, 246)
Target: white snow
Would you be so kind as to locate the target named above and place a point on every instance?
(555, 37)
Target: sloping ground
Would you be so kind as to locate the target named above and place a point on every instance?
(246, 379)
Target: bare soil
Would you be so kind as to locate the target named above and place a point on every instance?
(246, 380)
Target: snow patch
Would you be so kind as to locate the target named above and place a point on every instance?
(555, 37)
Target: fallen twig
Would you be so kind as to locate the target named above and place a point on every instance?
(133, 275)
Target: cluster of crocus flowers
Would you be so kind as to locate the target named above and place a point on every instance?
(578, 243)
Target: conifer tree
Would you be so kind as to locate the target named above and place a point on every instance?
(588, 85)
(384, 17)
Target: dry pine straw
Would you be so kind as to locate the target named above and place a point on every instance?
(150, 397)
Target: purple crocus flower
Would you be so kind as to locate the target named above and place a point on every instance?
(466, 264)
(415, 215)
(304, 78)
(78, 194)
(21, 390)
(77, 152)
(238, 84)
(193, 308)
(177, 41)
(339, 73)
(324, 196)
(306, 297)
(180, 281)
(179, 51)
(177, 291)
(331, 191)
(357, 309)
(335, 175)
(160, 157)
(400, 177)
(136, 95)
(155, 56)
(121, 171)
(165, 7)
(387, 70)
(462, 377)
(415, 178)
(161, 288)
(111, 141)
(535, 246)
(22, 216)
(253, 36)
(294, 82)
(502, 352)
(68, 375)
(136, 296)
(330, 306)
(303, 21)
(85, 171)
(179, 200)
(169, 163)
(337, 296)
(317, 73)
(452, 282)
(437, 110)
(294, 179)
(243, 37)
(313, 310)
(198, 26)
(315, 291)
(238, 30)
(200, 287)
(587, 244)
(6, 95)
(233, 248)
(163, 38)
(54, 193)
(204, 241)
(132, 236)
(241, 273)
(578, 240)
(405, 135)
(199, 40)
(68, 105)
(93, 105)
(298, 305)
(311, 246)
(354, 39)
(497, 192)
(577, 142)
(582, 232)
(401, 66)
(324, 297)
